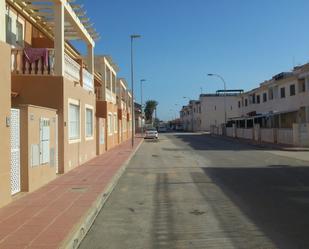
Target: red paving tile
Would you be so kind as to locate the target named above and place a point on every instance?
(44, 218)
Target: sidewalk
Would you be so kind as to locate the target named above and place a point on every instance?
(59, 214)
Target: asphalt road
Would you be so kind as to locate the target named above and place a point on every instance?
(196, 191)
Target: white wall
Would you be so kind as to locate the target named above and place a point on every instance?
(278, 104)
(213, 110)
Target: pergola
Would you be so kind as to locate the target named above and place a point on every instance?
(62, 20)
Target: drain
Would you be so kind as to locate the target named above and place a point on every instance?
(79, 189)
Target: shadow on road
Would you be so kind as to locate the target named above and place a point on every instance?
(275, 199)
(197, 142)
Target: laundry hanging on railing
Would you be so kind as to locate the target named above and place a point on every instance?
(35, 54)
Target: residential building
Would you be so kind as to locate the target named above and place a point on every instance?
(277, 111)
(51, 122)
(113, 102)
(5, 113)
(123, 110)
(209, 110)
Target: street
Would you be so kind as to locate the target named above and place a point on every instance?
(198, 191)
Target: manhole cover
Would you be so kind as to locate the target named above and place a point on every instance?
(79, 189)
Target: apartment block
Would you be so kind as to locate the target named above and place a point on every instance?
(48, 94)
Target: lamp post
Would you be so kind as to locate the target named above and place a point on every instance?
(142, 128)
(132, 87)
(220, 77)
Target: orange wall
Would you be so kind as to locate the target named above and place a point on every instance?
(33, 177)
(5, 106)
(78, 153)
(54, 92)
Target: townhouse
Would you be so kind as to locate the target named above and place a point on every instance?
(277, 111)
(50, 93)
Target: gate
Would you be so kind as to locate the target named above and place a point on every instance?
(15, 151)
(303, 135)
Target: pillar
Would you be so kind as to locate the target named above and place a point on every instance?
(59, 38)
(2, 21)
(90, 58)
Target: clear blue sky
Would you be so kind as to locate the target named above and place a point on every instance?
(246, 41)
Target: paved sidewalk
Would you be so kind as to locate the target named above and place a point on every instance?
(48, 217)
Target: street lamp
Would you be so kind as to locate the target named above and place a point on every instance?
(132, 87)
(220, 77)
(142, 81)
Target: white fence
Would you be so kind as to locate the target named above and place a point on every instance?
(285, 136)
(267, 135)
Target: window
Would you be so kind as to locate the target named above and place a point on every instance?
(215, 107)
(8, 23)
(19, 33)
(246, 102)
(253, 98)
(74, 121)
(292, 90)
(270, 93)
(115, 123)
(238, 104)
(258, 100)
(110, 124)
(301, 85)
(89, 122)
(264, 97)
(282, 92)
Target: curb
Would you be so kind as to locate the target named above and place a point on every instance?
(80, 230)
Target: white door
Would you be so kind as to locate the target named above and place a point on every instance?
(15, 151)
(44, 141)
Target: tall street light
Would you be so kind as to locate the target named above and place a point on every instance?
(142, 81)
(132, 87)
(220, 77)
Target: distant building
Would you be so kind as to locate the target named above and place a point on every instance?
(208, 111)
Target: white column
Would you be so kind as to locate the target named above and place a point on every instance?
(90, 58)
(2, 21)
(59, 38)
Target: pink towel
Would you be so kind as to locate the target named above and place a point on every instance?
(34, 54)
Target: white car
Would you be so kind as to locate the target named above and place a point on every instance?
(151, 133)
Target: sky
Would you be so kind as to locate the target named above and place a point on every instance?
(245, 41)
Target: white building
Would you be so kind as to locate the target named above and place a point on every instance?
(209, 111)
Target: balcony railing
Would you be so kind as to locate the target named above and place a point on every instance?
(42, 66)
(45, 66)
(71, 69)
(87, 80)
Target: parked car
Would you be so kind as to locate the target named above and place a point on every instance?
(162, 129)
(151, 133)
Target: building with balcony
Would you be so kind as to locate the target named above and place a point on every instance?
(123, 110)
(278, 110)
(53, 102)
(106, 100)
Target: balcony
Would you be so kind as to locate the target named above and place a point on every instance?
(41, 62)
(106, 95)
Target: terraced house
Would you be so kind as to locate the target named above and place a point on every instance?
(50, 115)
(112, 105)
(278, 109)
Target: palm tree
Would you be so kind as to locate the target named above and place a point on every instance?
(150, 107)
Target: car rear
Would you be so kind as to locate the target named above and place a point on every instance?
(152, 133)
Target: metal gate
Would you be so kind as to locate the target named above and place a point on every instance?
(15, 151)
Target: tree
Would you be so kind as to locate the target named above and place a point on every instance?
(150, 107)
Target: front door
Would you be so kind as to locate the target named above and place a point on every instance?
(15, 151)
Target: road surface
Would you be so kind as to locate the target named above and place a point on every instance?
(196, 191)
